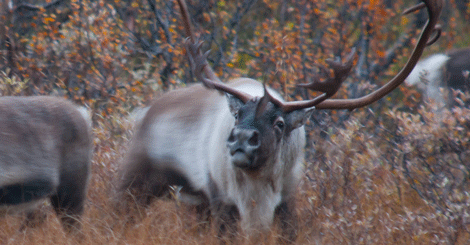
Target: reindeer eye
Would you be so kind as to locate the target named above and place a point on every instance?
(280, 124)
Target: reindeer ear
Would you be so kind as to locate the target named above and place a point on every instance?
(298, 118)
(233, 103)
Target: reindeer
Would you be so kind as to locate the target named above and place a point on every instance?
(239, 157)
(451, 70)
(45, 153)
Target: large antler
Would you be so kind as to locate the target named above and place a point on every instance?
(331, 85)
(434, 8)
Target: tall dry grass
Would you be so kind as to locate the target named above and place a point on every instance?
(354, 190)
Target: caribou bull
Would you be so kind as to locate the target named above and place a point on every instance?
(242, 156)
(45, 153)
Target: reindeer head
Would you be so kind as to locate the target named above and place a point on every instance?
(259, 130)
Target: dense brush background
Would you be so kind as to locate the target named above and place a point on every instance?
(396, 172)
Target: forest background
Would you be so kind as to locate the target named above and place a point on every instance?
(395, 172)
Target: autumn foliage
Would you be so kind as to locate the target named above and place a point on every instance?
(396, 172)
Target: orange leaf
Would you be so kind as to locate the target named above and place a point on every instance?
(380, 53)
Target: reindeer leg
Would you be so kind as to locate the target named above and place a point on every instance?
(33, 219)
(69, 202)
(287, 220)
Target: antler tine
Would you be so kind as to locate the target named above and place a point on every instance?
(199, 63)
(438, 30)
(186, 20)
(332, 84)
(434, 8)
(414, 8)
(328, 87)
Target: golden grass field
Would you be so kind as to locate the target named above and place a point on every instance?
(348, 195)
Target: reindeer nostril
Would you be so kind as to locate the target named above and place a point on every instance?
(231, 137)
(254, 139)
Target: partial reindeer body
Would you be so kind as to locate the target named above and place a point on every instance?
(45, 153)
(457, 74)
(451, 70)
(182, 140)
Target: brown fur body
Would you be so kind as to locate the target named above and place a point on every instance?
(45, 153)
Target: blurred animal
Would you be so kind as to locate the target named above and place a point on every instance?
(45, 153)
(450, 70)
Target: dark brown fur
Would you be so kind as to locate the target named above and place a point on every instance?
(458, 63)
